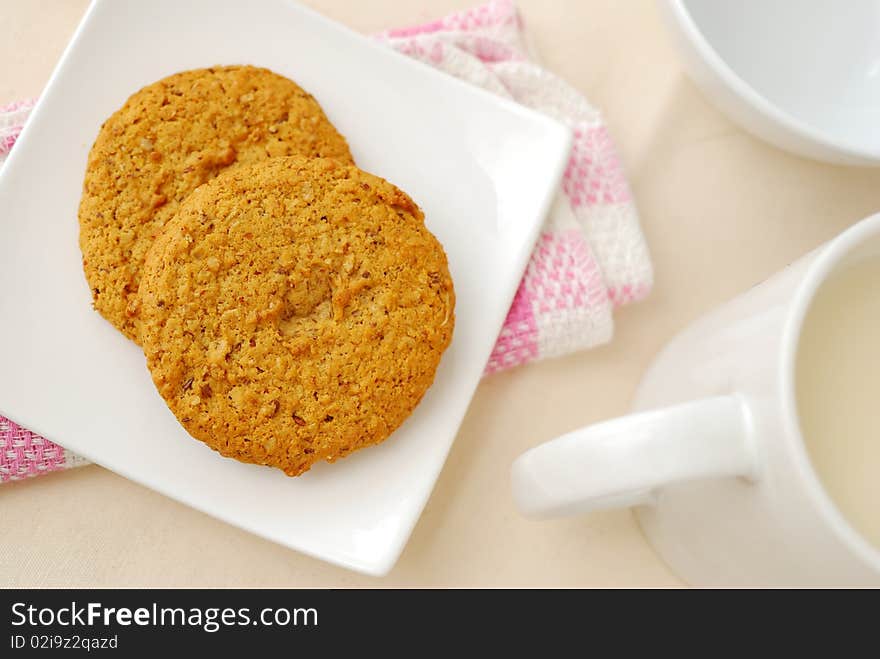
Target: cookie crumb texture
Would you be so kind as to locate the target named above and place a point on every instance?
(295, 311)
(169, 138)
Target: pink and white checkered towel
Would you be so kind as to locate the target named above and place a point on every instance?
(590, 257)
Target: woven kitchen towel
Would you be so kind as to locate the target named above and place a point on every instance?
(590, 257)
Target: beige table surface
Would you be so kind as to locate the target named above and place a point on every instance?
(721, 211)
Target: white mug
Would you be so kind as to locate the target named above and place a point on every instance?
(712, 457)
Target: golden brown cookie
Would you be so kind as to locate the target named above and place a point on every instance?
(295, 311)
(169, 138)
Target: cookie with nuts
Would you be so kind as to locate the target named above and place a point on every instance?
(295, 311)
(169, 138)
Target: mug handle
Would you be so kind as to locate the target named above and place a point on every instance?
(621, 463)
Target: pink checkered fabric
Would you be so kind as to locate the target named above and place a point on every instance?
(590, 257)
(12, 118)
(24, 454)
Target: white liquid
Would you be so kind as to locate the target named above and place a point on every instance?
(838, 392)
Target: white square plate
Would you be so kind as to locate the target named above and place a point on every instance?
(483, 169)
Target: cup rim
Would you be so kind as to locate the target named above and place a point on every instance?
(827, 260)
(757, 102)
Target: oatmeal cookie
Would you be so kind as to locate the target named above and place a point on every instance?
(295, 311)
(169, 138)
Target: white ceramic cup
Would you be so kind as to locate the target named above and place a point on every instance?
(801, 74)
(712, 456)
